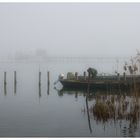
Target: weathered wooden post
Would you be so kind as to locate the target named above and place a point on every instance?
(15, 77)
(39, 84)
(15, 81)
(48, 79)
(76, 75)
(39, 78)
(5, 90)
(4, 78)
(84, 75)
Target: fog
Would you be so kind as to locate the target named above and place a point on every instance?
(69, 29)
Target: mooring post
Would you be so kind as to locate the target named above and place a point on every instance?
(15, 81)
(84, 75)
(48, 77)
(39, 78)
(5, 91)
(39, 84)
(4, 78)
(15, 77)
(48, 80)
(76, 75)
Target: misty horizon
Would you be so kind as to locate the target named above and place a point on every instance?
(70, 29)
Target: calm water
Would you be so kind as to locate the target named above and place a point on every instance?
(51, 113)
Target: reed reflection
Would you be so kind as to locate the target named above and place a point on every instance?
(115, 106)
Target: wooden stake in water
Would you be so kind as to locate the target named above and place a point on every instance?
(15, 77)
(39, 78)
(39, 84)
(5, 90)
(48, 79)
(4, 78)
(15, 81)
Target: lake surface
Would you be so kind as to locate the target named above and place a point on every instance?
(27, 110)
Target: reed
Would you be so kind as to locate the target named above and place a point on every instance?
(115, 107)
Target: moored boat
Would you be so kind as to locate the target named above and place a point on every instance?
(102, 82)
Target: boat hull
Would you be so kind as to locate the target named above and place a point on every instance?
(94, 84)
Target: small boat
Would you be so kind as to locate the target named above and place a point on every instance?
(95, 81)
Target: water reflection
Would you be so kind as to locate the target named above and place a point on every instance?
(48, 88)
(39, 93)
(15, 88)
(87, 107)
(122, 108)
(5, 89)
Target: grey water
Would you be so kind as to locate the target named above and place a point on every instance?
(30, 110)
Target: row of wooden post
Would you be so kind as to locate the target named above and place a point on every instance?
(15, 82)
(48, 78)
(48, 83)
(15, 77)
(5, 83)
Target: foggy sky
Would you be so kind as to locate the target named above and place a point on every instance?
(70, 29)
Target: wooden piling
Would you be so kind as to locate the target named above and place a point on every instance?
(39, 78)
(15, 77)
(4, 78)
(39, 84)
(48, 82)
(15, 82)
(5, 90)
(48, 77)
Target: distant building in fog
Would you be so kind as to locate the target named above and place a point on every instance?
(39, 54)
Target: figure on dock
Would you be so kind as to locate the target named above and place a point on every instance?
(93, 72)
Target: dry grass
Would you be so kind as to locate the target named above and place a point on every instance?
(116, 107)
